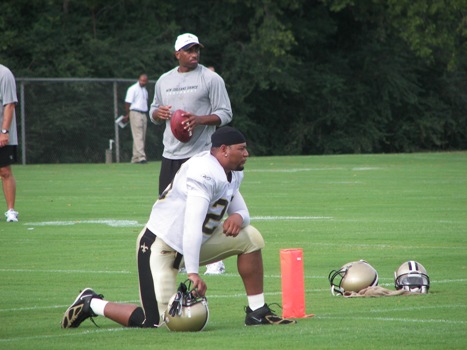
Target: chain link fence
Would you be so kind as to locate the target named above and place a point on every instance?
(70, 120)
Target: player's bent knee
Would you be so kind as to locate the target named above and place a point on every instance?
(136, 318)
(255, 237)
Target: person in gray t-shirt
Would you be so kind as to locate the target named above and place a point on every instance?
(198, 91)
(8, 140)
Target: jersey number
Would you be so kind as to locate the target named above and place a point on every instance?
(212, 220)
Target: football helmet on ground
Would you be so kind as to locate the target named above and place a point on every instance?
(353, 276)
(187, 311)
(412, 277)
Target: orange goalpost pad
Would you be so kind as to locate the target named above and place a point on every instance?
(293, 283)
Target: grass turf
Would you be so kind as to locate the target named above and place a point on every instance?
(78, 225)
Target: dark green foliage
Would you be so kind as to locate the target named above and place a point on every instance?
(304, 77)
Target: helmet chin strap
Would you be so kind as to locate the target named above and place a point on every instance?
(336, 291)
(187, 311)
(418, 289)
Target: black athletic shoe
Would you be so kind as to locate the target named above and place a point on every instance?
(80, 309)
(264, 315)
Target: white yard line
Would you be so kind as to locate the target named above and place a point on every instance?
(65, 334)
(109, 222)
(391, 319)
(134, 223)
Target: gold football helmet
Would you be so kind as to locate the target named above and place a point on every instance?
(353, 276)
(186, 312)
(412, 277)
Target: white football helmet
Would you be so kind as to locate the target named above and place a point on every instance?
(353, 276)
(412, 277)
(186, 312)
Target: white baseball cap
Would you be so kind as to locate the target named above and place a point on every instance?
(185, 41)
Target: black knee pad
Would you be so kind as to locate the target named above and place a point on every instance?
(136, 318)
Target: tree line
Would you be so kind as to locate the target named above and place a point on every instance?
(304, 76)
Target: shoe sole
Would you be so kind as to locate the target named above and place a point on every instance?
(282, 322)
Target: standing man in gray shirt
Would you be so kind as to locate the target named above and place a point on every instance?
(197, 90)
(8, 140)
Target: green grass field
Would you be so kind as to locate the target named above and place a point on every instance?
(78, 225)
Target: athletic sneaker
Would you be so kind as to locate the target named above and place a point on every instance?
(11, 216)
(264, 315)
(80, 310)
(217, 268)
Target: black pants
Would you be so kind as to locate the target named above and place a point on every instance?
(151, 315)
(169, 168)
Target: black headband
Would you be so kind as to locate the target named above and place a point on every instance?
(227, 136)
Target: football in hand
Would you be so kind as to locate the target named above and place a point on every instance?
(177, 125)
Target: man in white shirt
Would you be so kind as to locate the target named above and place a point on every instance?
(136, 105)
(187, 228)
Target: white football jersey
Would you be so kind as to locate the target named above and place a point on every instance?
(194, 205)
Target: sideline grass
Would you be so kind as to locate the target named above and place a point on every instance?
(78, 225)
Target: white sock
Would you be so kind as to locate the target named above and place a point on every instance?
(255, 301)
(98, 305)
